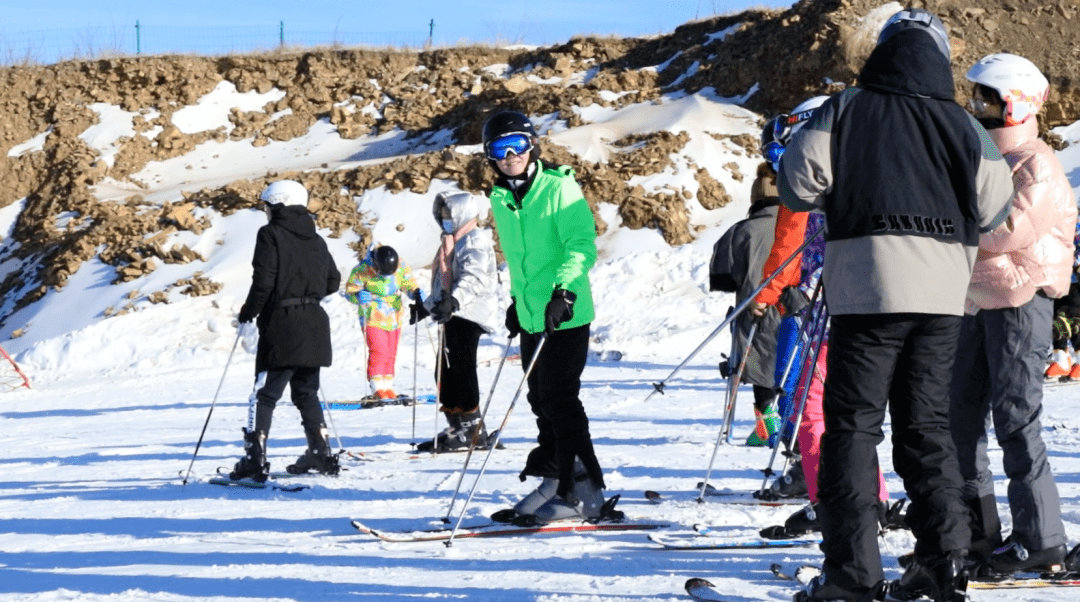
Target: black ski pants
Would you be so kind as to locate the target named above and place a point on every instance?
(554, 388)
(303, 385)
(902, 362)
(459, 388)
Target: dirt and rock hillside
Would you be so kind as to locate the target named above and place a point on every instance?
(812, 48)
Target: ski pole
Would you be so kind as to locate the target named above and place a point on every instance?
(472, 442)
(498, 437)
(208, 414)
(730, 410)
(733, 390)
(659, 387)
(330, 419)
(415, 367)
(438, 386)
(801, 348)
(364, 355)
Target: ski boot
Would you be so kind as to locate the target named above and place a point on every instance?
(253, 465)
(1060, 366)
(790, 485)
(318, 456)
(530, 503)
(471, 431)
(1014, 557)
(942, 579)
(818, 590)
(892, 517)
(802, 522)
(584, 501)
(453, 418)
(765, 427)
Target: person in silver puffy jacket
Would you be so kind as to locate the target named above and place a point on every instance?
(1022, 265)
(464, 300)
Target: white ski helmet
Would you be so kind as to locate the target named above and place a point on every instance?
(799, 116)
(779, 130)
(917, 18)
(285, 192)
(1019, 83)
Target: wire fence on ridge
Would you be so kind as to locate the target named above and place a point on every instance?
(88, 43)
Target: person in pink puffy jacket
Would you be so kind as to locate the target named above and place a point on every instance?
(1021, 267)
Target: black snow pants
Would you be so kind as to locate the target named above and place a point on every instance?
(459, 389)
(303, 385)
(902, 362)
(554, 387)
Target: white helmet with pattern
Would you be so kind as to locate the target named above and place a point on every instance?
(1022, 87)
(285, 192)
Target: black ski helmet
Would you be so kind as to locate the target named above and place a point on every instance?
(509, 122)
(385, 260)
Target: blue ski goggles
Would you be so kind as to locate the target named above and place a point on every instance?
(515, 143)
(772, 152)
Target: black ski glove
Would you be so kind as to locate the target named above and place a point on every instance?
(443, 309)
(417, 311)
(245, 315)
(793, 300)
(512, 322)
(559, 309)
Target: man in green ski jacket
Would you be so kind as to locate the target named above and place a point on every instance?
(548, 236)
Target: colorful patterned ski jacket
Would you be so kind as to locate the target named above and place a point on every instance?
(386, 307)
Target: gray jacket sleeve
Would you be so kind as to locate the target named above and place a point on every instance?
(806, 167)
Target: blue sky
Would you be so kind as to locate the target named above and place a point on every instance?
(540, 23)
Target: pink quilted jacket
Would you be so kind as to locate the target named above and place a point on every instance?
(1033, 249)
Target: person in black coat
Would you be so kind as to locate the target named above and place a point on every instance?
(293, 271)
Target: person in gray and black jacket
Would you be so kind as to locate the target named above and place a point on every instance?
(463, 298)
(737, 266)
(907, 181)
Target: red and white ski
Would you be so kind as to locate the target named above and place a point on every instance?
(502, 530)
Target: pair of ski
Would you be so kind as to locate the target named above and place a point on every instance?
(369, 402)
(272, 482)
(492, 529)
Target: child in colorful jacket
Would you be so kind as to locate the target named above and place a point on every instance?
(376, 285)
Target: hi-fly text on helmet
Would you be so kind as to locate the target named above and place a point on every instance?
(778, 131)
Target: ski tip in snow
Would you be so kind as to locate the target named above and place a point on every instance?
(653, 496)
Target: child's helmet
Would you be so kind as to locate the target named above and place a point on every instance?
(1022, 87)
(921, 19)
(385, 260)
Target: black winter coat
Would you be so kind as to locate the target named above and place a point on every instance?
(293, 271)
